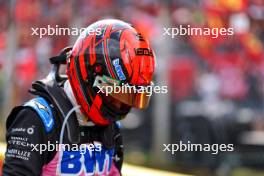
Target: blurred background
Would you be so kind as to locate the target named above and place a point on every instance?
(216, 93)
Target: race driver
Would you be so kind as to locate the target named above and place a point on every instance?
(73, 108)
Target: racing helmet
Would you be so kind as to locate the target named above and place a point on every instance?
(110, 53)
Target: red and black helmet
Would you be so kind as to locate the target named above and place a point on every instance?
(116, 51)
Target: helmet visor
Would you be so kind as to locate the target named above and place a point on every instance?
(134, 96)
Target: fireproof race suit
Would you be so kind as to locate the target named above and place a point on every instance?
(37, 124)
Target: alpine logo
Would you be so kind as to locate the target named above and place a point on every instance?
(118, 69)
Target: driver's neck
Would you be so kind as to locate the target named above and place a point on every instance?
(81, 118)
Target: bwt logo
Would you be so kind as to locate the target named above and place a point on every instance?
(91, 162)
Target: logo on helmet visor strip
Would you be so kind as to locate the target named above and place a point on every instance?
(118, 69)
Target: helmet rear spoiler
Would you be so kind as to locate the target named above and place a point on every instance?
(57, 61)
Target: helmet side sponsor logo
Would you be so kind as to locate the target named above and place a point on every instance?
(118, 69)
(143, 52)
(139, 37)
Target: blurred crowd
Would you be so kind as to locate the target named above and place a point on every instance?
(228, 67)
(31, 53)
(200, 67)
